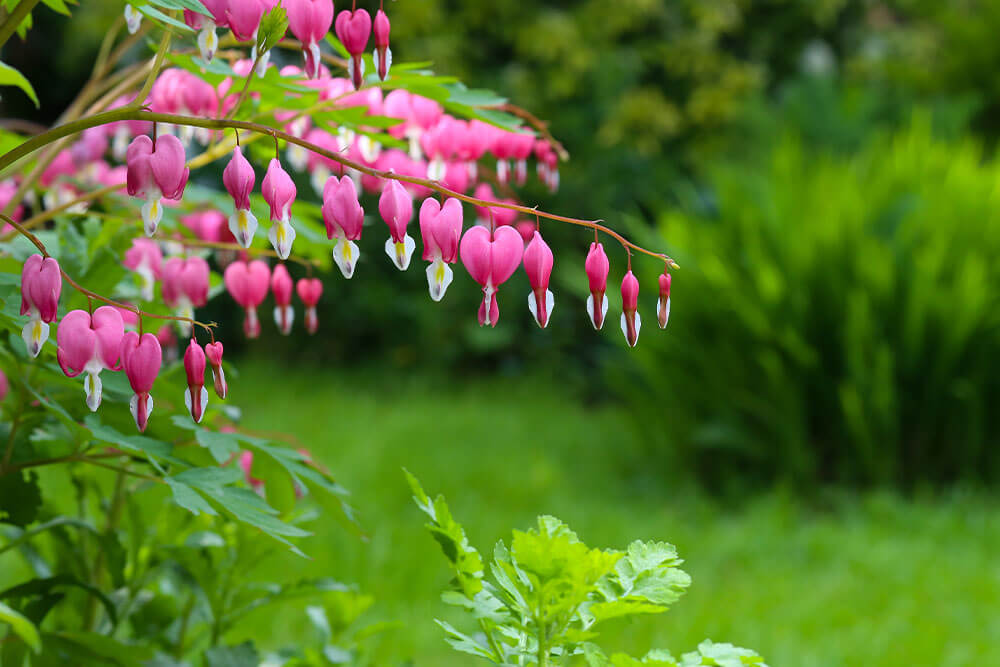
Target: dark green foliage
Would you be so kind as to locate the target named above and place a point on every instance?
(836, 319)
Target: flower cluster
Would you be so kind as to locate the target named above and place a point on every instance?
(443, 155)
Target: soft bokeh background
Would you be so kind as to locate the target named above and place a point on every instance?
(817, 428)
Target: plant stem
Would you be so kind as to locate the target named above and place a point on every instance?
(74, 127)
(10, 25)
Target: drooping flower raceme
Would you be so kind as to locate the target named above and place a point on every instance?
(396, 206)
(195, 396)
(538, 266)
(146, 259)
(663, 302)
(282, 287)
(41, 284)
(89, 344)
(309, 21)
(353, 30)
(214, 353)
(491, 259)
(383, 54)
(247, 282)
(441, 229)
(631, 321)
(344, 218)
(142, 358)
(597, 268)
(155, 171)
(238, 177)
(310, 290)
(279, 193)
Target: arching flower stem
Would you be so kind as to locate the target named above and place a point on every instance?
(132, 113)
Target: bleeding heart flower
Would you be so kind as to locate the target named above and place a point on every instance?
(663, 303)
(538, 266)
(41, 284)
(279, 193)
(247, 282)
(246, 465)
(238, 177)
(243, 17)
(155, 171)
(631, 322)
(491, 259)
(597, 268)
(441, 229)
(282, 287)
(309, 21)
(142, 358)
(195, 396)
(185, 287)
(214, 353)
(146, 259)
(344, 218)
(383, 54)
(4, 386)
(396, 207)
(133, 19)
(90, 343)
(310, 290)
(353, 29)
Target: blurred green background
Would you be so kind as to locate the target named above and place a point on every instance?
(816, 429)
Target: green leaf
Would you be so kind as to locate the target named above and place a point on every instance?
(57, 6)
(222, 446)
(273, 27)
(11, 77)
(193, 5)
(21, 626)
(189, 499)
(168, 21)
(20, 498)
(91, 648)
(241, 655)
(45, 585)
(464, 643)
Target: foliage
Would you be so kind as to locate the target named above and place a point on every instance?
(549, 591)
(845, 325)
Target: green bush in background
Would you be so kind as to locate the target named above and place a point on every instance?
(836, 318)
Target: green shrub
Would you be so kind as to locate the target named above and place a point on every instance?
(835, 319)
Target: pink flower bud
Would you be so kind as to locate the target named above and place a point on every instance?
(4, 386)
(247, 283)
(238, 177)
(214, 353)
(195, 396)
(441, 229)
(663, 303)
(155, 171)
(90, 343)
(279, 193)
(310, 290)
(383, 54)
(538, 266)
(353, 29)
(491, 260)
(41, 284)
(142, 358)
(396, 207)
(309, 21)
(631, 322)
(282, 287)
(597, 268)
(344, 218)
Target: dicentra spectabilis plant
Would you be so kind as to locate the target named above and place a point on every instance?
(118, 227)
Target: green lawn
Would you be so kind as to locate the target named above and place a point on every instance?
(870, 581)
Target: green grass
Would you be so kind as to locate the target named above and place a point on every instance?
(873, 580)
